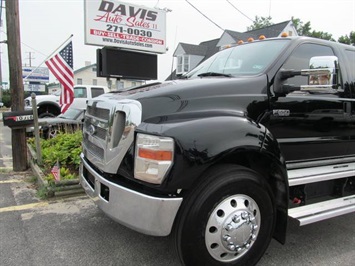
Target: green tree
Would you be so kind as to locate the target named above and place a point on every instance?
(321, 35)
(260, 22)
(6, 98)
(303, 29)
(348, 39)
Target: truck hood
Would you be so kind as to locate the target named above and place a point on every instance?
(42, 98)
(195, 95)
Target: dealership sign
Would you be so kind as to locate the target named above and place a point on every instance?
(35, 87)
(35, 74)
(118, 24)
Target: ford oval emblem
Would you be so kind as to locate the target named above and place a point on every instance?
(91, 130)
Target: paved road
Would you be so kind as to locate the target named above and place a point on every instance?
(74, 232)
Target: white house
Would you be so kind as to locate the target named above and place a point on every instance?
(190, 55)
(87, 75)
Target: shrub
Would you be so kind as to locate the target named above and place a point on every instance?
(63, 148)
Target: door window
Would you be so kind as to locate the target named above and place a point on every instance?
(80, 92)
(96, 91)
(300, 58)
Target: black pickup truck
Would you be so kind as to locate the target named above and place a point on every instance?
(220, 159)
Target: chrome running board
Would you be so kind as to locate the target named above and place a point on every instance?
(324, 210)
(320, 173)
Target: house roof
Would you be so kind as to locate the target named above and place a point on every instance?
(84, 68)
(208, 48)
(194, 49)
(211, 47)
(237, 36)
(270, 31)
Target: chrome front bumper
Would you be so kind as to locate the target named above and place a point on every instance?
(146, 214)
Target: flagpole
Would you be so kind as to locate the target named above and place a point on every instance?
(48, 56)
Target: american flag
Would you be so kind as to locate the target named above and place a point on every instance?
(61, 65)
(56, 171)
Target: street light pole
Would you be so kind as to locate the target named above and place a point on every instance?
(18, 136)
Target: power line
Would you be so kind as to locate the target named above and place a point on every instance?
(28, 46)
(204, 15)
(1, 11)
(30, 58)
(240, 11)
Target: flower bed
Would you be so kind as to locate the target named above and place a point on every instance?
(59, 172)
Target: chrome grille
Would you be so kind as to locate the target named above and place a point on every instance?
(108, 131)
(98, 132)
(98, 112)
(95, 150)
(95, 130)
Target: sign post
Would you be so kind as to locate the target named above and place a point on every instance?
(36, 129)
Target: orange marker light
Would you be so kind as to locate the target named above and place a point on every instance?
(250, 39)
(155, 155)
(240, 42)
(262, 37)
(284, 34)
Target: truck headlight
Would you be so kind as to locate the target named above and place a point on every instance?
(153, 157)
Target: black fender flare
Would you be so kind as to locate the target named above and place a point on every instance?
(49, 104)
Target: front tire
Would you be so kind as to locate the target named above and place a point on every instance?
(227, 220)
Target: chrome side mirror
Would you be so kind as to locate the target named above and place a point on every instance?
(322, 74)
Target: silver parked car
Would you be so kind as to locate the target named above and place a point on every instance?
(68, 122)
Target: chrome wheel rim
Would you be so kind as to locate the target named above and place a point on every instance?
(232, 228)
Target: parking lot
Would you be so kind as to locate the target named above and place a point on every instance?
(72, 231)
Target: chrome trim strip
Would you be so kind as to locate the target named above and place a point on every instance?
(143, 213)
(323, 210)
(304, 164)
(321, 173)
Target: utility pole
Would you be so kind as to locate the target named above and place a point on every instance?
(30, 58)
(0, 76)
(1, 88)
(18, 136)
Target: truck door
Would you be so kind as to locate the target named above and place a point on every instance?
(80, 97)
(313, 125)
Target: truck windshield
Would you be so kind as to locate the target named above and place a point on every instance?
(242, 60)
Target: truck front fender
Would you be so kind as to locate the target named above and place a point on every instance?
(204, 142)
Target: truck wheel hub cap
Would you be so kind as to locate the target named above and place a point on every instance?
(232, 228)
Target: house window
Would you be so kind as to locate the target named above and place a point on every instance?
(79, 81)
(183, 64)
(119, 85)
(94, 82)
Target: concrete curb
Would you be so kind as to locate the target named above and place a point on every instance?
(63, 188)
